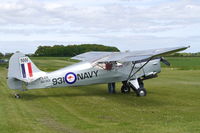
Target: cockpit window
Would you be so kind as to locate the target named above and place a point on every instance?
(108, 65)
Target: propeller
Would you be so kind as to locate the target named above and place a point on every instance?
(163, 60)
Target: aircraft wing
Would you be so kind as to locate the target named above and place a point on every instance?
(93, 56)
(127, 56)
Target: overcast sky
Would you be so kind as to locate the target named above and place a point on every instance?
(126, 24)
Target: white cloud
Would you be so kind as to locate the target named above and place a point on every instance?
(88, 20)
(117, 14)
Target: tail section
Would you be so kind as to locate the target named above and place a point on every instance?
(22, 69)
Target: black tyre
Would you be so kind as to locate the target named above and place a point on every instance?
(125, 89)
(141, 92)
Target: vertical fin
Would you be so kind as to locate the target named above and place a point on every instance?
(22, 69)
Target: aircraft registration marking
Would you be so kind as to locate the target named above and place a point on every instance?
(87, 75)
(59, 80)
(71, 77)
(45, 79)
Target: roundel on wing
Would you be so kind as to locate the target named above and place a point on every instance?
(70, 78)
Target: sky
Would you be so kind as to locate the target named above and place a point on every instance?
(126, 24)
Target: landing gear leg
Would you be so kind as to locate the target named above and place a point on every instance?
(138, 86)
(111, 88)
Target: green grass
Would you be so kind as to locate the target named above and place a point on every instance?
(185, 63)
(171, 106)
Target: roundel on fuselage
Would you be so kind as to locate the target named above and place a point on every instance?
(70, 78)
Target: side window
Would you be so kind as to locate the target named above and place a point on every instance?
(109, 65)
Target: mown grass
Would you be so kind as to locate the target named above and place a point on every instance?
(171, 106)
(185, 63)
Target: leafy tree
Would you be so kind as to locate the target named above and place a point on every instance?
(71, 50)
(7, 55)
(1, 55)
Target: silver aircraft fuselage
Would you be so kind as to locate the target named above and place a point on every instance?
(86, 73)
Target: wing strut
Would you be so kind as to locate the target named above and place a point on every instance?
(134, 63)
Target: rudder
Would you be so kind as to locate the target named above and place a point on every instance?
(22, 69)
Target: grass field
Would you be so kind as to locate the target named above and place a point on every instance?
(171, 106)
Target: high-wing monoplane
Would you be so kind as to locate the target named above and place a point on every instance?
(130, 68)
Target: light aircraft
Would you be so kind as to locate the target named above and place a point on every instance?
(130, 68)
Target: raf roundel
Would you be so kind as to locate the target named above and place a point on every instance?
(70, 78)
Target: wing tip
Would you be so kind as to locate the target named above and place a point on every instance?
(186, 47)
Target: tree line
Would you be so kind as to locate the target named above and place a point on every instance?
(71, 50)
(66, 51)
(185, 54)
(6, 55)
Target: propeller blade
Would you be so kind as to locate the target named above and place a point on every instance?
(163, 60)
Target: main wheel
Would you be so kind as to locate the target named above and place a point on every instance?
(125, 89)
(141, 92)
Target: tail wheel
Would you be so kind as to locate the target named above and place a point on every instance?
(17, 96)
(125, 89)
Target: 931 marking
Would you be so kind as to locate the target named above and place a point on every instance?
(59, 80)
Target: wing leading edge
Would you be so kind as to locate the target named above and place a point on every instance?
(93, 56)
(127, 56)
